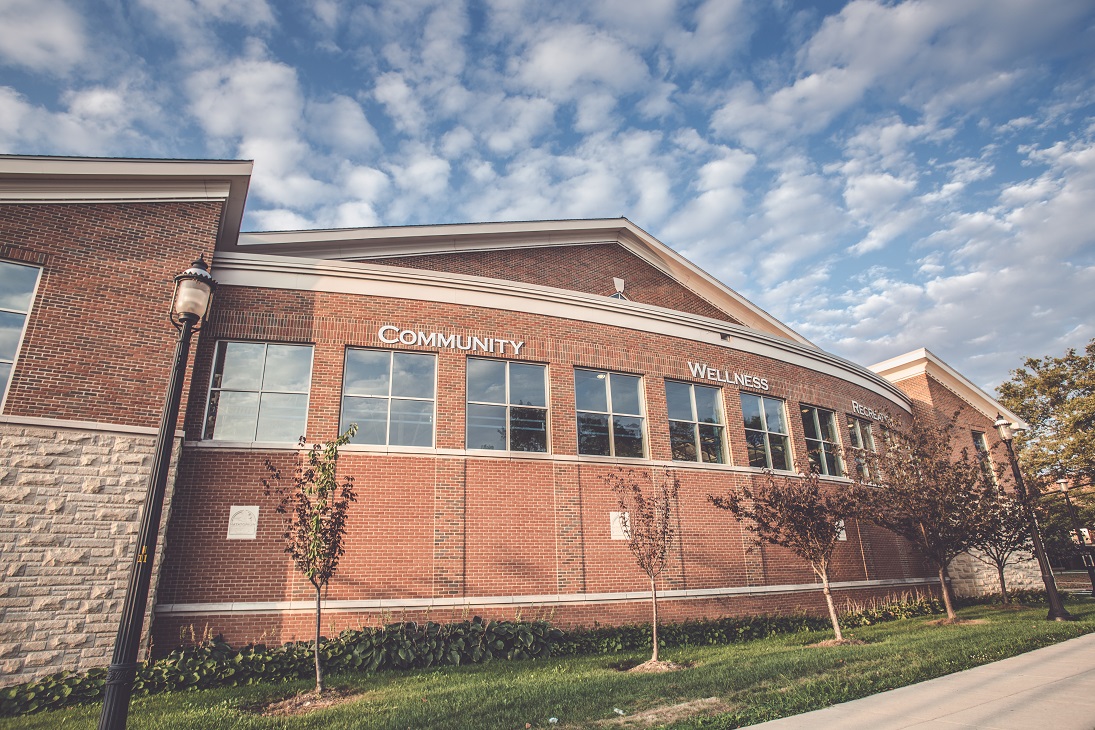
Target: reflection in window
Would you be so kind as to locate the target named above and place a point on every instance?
(695, 422)
(822, 446)
(766, 433)
(981, 446)
(17, 283)
(610, 421)
(507, 406)
(390, 396)
(861, 439)
(259, 392)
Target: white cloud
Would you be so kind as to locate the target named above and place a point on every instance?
(42, 35)
(400, 102)
(341, 125)
(571, 60)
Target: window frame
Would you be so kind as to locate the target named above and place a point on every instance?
(208, 434)
(508, 405)
(23, 331)
(825, 448)
(719, 425)
(612, 414)
(391, 353)
(984, 455)
(858, 426)
(789, 454)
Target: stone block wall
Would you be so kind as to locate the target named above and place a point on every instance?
(971, 577)
(70, 502)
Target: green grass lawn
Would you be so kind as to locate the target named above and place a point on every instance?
(756, 681)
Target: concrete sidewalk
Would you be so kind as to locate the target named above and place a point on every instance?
(1051, 688)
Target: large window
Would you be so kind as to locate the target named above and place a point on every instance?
(610, 421)
(17, 283)
(861, 439)
(259, 392)
(981, 446)
(390, 396)
(507, 405)
(822, 445)
(766, 433)
(695, 422)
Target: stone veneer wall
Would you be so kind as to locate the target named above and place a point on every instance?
(70, 504)
(971, 577)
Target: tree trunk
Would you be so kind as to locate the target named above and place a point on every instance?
(654, 601)
(1003, 586)
(319, 667)
(945, 589)
(832, 608)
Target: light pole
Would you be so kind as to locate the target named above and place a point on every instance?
(190, 303)
(1062, 484)
(1057, 610)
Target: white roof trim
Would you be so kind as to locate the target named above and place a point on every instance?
(378, 243)
(925, 362)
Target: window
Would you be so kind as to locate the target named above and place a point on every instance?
(610, 421)
(390, 396)
(507, 405)
(259, 392)
(861, 439)
(695, 422)
(822, 446)
(981, 446)
(766, 432)
(17, 284)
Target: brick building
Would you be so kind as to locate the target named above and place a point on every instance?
(498, 373)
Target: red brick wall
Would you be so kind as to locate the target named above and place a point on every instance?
(98, 346)
(588, 268)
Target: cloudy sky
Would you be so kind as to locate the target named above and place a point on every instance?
(881, 176)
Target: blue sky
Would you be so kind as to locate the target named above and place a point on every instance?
(881, 176)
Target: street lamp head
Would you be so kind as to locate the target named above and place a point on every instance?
(1003, 427)
(193, 292)
(1062, 484)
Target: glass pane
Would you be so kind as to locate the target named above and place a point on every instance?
(781, 452)
(239, 365)
(413, 376)
(486, 427)
(366, 373)
(371, 417)
(750, 410)
(833, 464)
(282, 417)
(755, 446)
(808, 424)
(590, 391)
(854, 436)
(11, 327)
(16, 286)
(711, 443)
(412, 423)
(486, 382)
(528, 429)
(682, 439)
(707, 405)
(678, 401)
(593, 434)
(288, 367)
(526, 385)
(773, 416)
(625, 394)
(232, 416)
(5, 373)
(813, 453)
(828, 425)
(627, 436)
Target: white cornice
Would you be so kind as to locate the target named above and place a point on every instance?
(379, 243)
(370, 279)
(57, 180)
(925, 362)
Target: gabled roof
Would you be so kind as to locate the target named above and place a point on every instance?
(376, 244)
(925, 362)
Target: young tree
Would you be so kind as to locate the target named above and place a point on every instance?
(1056, 396)
(1003, 534)
(801, 515)
(922, 492)
(315, 504)
(649, 525)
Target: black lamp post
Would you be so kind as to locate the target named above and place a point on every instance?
(1062, 484)
(1057, 610)
(193, 292)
